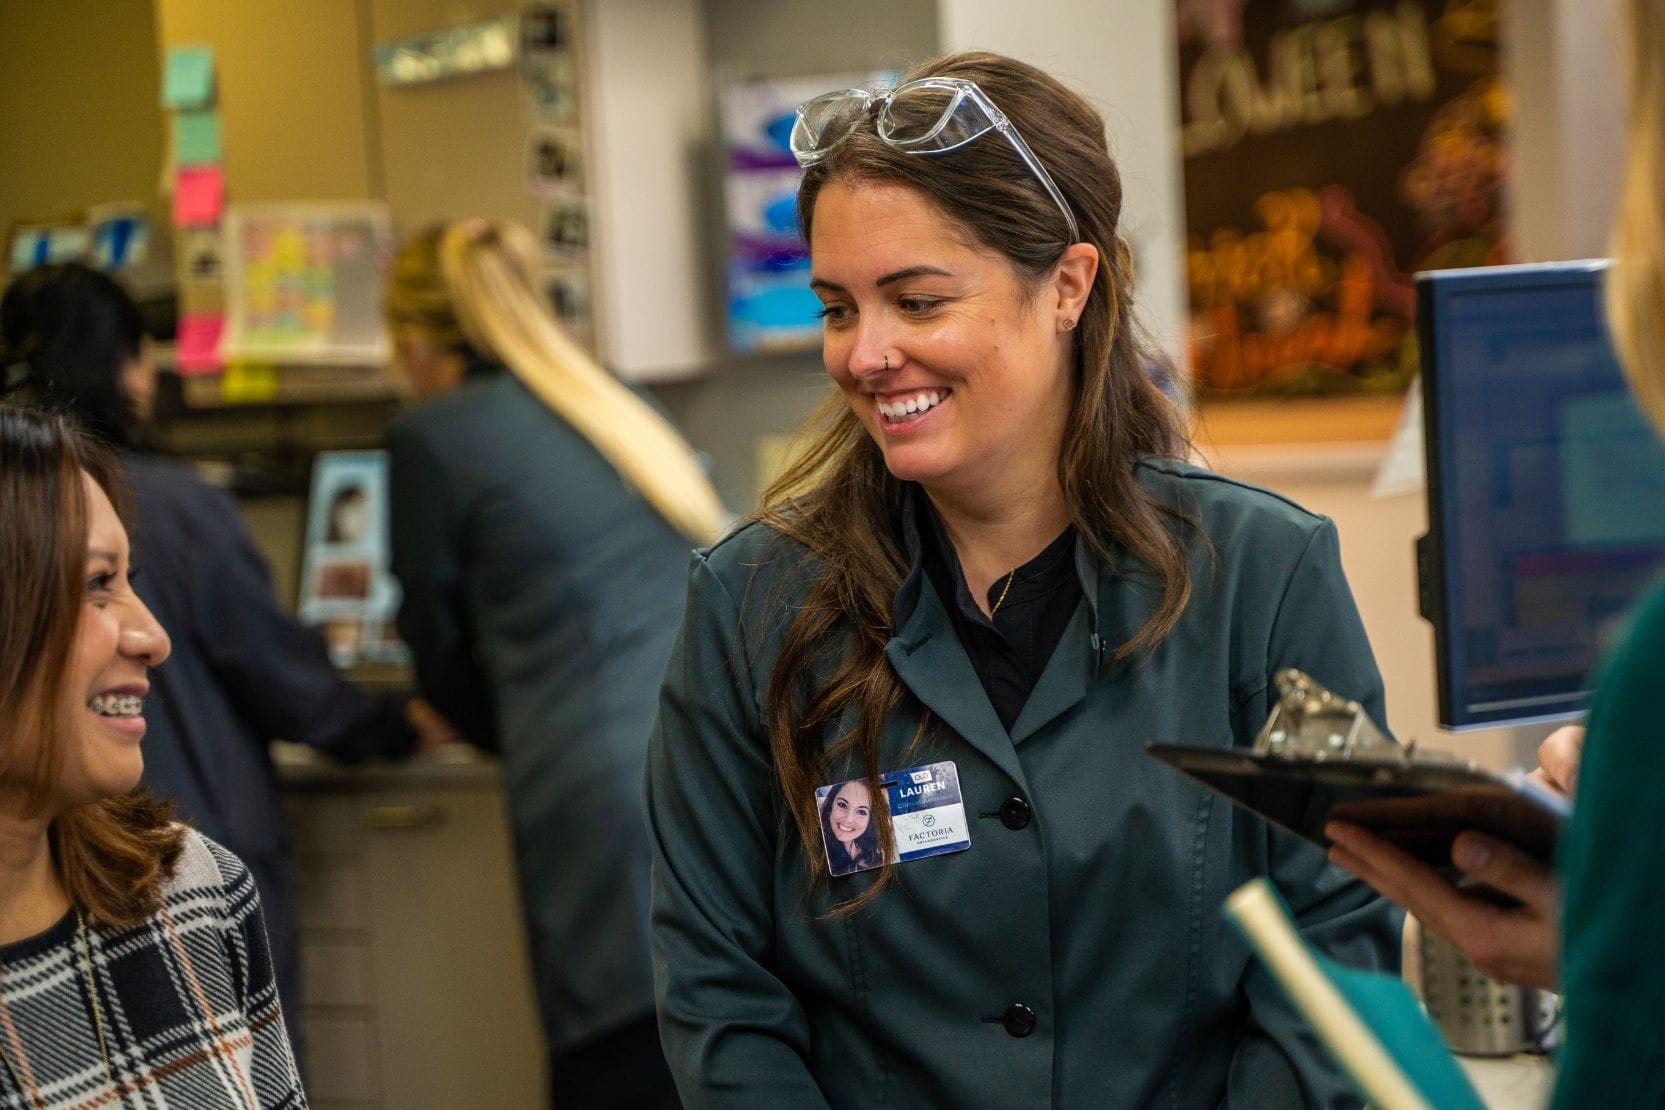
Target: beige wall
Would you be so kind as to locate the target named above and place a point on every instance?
(292, 106)
(80, 123)
(449, 149)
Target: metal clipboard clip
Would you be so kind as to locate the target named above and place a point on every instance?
(1310, 722)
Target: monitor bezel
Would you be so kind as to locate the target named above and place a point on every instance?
(1438, 581)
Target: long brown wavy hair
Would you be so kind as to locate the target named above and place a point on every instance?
(840, 501)
(111, 855)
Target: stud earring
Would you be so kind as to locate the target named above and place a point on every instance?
(1069, 325)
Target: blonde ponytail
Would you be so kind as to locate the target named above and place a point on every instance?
(489, 271)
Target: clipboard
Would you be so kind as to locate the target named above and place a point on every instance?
(1319, 758)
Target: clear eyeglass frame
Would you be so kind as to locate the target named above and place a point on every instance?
(968, 114)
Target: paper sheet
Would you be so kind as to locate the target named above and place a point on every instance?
(1402, 470)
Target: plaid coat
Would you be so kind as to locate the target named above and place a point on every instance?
(187, 1000)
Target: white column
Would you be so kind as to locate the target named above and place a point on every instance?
(1123, 58)
(648, 122)
(1563, 61)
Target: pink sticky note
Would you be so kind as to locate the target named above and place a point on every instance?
(197, 348)
(198, 196)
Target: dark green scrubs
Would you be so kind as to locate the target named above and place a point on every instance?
(1075, 955)
(541, 599)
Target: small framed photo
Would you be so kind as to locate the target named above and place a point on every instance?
(551, 84)
(545, 27)
(554, 161)
(569, 296)
(566, 228)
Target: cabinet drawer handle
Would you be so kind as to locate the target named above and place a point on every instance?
(421, 815)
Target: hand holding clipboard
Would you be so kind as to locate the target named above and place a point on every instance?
(1319, 758)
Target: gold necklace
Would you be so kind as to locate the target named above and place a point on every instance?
(1003, 592)
(97, 1015)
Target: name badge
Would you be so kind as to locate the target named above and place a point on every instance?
(927, 818)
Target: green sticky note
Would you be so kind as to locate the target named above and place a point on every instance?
(189, 79)
(196, 138)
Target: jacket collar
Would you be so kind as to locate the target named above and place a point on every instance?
(1088, 568)
(931, 662)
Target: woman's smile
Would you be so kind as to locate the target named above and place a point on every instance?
(906, 410)
(121, 709)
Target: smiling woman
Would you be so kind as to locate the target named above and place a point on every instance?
(991, 558)
(958, 367)
(133, 958)
(847, 829)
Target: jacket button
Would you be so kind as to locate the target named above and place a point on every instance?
(1014, 812)
(1019, 1020)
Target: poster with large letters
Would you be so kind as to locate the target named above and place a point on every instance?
(1332, 149)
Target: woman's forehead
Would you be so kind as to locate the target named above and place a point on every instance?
(880, 224)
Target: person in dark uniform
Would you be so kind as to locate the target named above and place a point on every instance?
(542, 517)
(991, 575)
(243, 671)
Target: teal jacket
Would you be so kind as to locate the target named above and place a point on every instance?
(1075, 955)
(1611, 973)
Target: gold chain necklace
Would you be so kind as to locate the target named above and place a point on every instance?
(1003, 592)
(97, 1015)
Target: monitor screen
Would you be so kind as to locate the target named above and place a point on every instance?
(1546, 489)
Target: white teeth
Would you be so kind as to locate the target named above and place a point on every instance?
(117, 705)
(918, 403)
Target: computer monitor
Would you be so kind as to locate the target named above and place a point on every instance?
(1546, 489)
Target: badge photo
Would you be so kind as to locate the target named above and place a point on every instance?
(927, 818)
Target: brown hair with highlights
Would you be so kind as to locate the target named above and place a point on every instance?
(113, 854)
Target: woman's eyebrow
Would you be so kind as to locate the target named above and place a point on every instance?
(101, 553)
(889, 279)
(911, 272)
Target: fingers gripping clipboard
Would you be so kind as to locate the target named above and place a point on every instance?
(1320, 758)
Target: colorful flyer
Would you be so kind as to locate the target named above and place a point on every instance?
(346, 587)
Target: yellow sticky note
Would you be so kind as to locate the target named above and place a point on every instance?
(249, 383)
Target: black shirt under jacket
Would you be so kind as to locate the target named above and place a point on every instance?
(1009, 652)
